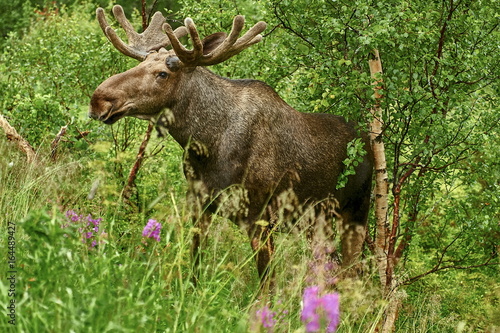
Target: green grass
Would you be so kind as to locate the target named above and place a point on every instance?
(125, 285)
(129, 284)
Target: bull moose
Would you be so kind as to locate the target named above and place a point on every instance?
(249, 156)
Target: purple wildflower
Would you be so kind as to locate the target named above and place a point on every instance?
(95, 222)
(88, 227)
(313, 304)
(72, 215)
(152, 230)
(266, 317)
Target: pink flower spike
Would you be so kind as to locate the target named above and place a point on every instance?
(152, 230)
(266, 317)
(330, 303)
(312, 306)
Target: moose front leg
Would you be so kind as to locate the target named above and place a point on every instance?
(196, 154)
(199, 243)
(263, 246)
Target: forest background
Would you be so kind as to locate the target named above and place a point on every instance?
(440, 113)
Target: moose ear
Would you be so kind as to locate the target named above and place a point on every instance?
(211, 42)
(173, 63)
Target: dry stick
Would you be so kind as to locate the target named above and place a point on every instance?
(143, 15)
(127, 190)
(55, 143)
(381, 183)
(21, 142)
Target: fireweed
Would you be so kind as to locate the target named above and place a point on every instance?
(267, 318)
(88, 227)
(322, 268)
(152, 230)
(320, 310)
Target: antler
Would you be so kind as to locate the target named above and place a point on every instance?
(152, 39)
(231, 45)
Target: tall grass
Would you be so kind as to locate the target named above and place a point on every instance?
(128, 283)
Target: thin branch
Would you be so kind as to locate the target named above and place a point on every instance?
(439, 268)
(271, 31)
(127, 190)
(152, 11)
(55, 143)
(143, 15)
(287, 26)
(21, 142)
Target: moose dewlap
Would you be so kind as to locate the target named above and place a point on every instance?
(249, 156)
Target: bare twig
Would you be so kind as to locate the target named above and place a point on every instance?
(438, 268)
(55, 143)
(21, 142)
(82, 135)
(287, 26)
(127, 190)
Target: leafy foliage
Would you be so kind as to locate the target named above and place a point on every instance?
(441, 86)
(43, 88)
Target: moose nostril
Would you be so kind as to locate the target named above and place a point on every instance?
(93, 115)
(101, 105)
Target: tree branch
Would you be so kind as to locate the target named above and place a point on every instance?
(21, 142)
(287, 26)
(55, 143)
(438, 268)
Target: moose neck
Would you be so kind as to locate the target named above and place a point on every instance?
(205, 107)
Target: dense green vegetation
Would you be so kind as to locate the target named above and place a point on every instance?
(441, 108)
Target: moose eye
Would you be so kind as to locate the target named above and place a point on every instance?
(162, 75)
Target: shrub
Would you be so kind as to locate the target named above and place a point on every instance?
(49, 73)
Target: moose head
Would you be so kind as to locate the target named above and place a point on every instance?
(249, 156)
(155, 84)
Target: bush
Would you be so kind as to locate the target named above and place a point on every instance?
(49, 73)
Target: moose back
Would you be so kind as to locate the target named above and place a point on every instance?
(249, 156)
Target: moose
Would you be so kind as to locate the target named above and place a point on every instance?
(249, 156)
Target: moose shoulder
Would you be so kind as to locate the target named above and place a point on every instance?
(249, 155)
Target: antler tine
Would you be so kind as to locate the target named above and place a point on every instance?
(238, 24)
(231, 45)
(101, 18)
(252, 36)
(187, 57)
(152, 39)
(110, 33)
(122, 19)
(122, 47)
(234, 45)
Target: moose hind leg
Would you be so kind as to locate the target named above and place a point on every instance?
(263, 246)
(324, 264)
(352, 236)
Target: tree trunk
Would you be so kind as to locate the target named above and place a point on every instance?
(384, 237)
(381, 183)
